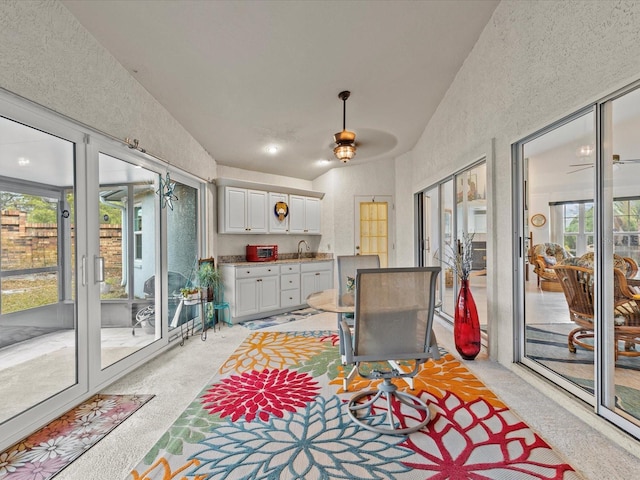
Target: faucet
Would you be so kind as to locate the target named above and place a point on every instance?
(300, 247)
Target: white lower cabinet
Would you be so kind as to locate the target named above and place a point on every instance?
(289, 285)
(258, 291)
(315, 277)
(252, 290)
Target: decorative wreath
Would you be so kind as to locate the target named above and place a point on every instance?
(281, 209)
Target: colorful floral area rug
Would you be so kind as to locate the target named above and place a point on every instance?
(276, 410)
(48, 451)
(279, 319)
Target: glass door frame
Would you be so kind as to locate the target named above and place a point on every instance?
(520, 243)
(447, 221)
(90, 378)
(102, 376)
(604, 387)
(32, 116)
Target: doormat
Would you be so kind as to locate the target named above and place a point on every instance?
(279, 319)
(45, 453)
(276, 410)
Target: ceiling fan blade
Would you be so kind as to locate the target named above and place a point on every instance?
(629, 160)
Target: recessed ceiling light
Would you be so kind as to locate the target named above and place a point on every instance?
(272, 149)
(324, 162)
(23, 162)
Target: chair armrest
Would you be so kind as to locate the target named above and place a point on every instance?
(433, 347)
(540, 263)
(348, 342)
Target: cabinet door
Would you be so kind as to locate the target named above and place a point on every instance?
(325, 280)
(296, 214)
(246, 297)
(235, 212)
(275, 225)
(269, 293)
(307, 284)
(256, 211)
(312, 215)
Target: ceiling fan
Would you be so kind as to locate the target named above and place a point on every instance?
(345, 140)
(616, 161)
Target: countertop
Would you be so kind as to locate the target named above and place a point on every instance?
(322, 258)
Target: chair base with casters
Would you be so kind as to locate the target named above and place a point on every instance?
(387, 400)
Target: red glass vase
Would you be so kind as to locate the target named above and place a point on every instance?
(466, 325)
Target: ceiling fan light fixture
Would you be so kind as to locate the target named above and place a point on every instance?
(345, 148)
(344, 153)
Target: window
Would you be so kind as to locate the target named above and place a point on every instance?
(626, 227)
(577, 222)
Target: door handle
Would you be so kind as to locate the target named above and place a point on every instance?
(83, 267)
(99, 269)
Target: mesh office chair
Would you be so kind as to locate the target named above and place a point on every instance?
(348, 266)
(393, 326)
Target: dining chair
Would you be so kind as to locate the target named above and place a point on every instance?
(348, 266)
(392, 337)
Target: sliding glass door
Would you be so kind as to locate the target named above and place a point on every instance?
(40, 358)
(95, 243)
(447, 213)
(620, 392)
(579, 211)
(128, 213)
(559, 216)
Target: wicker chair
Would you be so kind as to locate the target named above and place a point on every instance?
(543, 257)
(577, 285)
(627, 265)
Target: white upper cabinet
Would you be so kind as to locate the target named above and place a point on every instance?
(276, 201)
(304, 215)
(245, 211)
(244, 207)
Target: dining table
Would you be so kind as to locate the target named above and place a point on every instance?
(328, 301)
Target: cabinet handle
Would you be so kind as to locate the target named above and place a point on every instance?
(317, 273)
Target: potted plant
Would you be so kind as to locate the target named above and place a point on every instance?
(209, 278)
(190, 294)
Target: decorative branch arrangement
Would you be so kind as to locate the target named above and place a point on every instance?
(460, 259)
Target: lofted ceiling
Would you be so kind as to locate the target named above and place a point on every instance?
(243, 75)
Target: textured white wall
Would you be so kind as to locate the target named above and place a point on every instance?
(341, 186)
(49, 58)
(534, 63)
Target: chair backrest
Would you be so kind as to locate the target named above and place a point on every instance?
(577, 285)
(551, 252)
(348, 266)
(394, 313)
